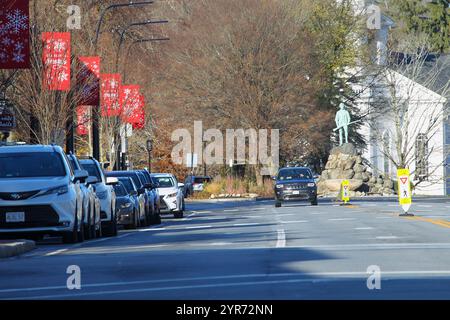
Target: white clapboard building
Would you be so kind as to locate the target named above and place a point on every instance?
(421, 129)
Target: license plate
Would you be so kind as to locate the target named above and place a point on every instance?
(15, 217)
(295, 192)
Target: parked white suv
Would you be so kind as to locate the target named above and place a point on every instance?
(105, 192)
(40, 193)
(171, 193)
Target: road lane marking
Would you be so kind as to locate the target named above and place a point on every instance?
(386, 237)
(298, 221)
(151, 229)
(312, 278)
(198, 227)
(342, 219)
(285, 215)
(281, 239)
(220, 243)
(246, 224)
(363, 228)
(229, 277)
(231, 210)
(54, 253)
(442, 223)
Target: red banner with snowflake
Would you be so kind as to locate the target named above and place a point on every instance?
(110, 94)
(88, 80)
(129, 96)
(83, 120)
(14, 34)
(137, 119)
(56, 59)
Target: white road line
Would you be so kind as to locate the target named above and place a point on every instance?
(342, 219)
(383, 217)
(424, 206)
(230, 210)
(386, 237)
(281, 239)
(230, 277)
(221, 243)
(54, 253)
(249, 217)
(198, 227)
(363, 228)
(285, 215)
(246, 224)
(392, 205)
(298, 221)
(151, 229)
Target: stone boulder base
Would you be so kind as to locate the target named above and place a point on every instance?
(344, 163)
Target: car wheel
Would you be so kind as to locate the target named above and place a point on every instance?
(72, 236)
(81, 233)
(87, 228)
(134, 224)
(277, 204)
(178, 214)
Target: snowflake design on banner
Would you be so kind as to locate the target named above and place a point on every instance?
(6, 41)
(63, 76)
(17, 21)
(18, 57)
(59, 45)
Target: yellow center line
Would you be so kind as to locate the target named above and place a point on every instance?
(442, 223)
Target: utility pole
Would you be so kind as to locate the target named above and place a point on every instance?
(96, 109)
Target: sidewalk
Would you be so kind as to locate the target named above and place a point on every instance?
(11, 248)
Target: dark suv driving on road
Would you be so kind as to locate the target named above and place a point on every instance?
(295, 184)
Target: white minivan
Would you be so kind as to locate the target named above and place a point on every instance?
(40, 193)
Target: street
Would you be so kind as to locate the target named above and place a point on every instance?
(252, 250)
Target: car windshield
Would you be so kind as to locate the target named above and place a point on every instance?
(294, 174)
(120, 190)
(92, 169)
(31, 165)
(165, 182)
(127, 184)
(202, 180)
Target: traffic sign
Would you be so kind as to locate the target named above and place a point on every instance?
(404, 189)
(345, 187)
(7, 117)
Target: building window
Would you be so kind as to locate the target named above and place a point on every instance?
(421, 157)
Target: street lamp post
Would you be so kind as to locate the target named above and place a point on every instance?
(119, 48)
(149, 150)
(96, 111)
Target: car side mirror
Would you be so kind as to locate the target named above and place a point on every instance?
(133, 193)
(141, 191)
(316, 176)
(80, 176)
(274, 178)
(181, 185)
(91, 180)
(112, 181)
(148, 186)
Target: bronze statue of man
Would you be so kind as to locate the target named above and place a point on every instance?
(342, 122)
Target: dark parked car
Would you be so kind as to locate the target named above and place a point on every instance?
(150, 216)
(195, 183)
(127, 214)
(138, 199)
(295, 184)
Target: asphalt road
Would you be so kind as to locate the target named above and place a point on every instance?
(252, 250)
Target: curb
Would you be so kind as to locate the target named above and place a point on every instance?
(15, 247)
